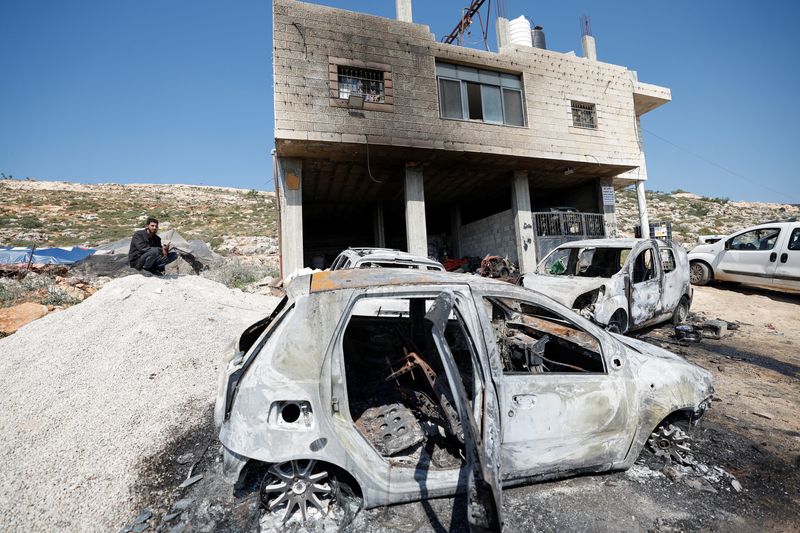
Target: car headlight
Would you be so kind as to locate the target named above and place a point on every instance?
(588, 298)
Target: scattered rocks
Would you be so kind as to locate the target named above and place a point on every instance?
(13, 318)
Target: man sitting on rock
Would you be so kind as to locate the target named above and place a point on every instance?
(147, 253)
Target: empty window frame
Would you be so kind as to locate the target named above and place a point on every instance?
(667, 260)
(467, 93)
(584, 115)
(354, 81)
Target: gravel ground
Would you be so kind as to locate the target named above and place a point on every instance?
(89, 392)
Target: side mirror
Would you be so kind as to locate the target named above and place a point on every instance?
(728, 244)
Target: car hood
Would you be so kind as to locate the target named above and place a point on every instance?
(563, 289)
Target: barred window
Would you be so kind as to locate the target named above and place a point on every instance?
(584, 115)
(362, 82)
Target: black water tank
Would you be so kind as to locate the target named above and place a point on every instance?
(538, 38)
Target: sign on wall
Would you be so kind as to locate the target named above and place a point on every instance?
(609, 198)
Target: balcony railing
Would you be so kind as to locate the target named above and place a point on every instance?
(552, 229)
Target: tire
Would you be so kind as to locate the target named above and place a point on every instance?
(681, 312)
(618, 322)
(699, 273)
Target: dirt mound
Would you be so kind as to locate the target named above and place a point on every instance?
(90, 391)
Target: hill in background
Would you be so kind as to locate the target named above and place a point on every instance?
(692, 215)
(245, 221)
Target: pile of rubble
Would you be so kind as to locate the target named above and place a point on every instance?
(92, 390)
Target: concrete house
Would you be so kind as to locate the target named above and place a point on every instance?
(386, 137)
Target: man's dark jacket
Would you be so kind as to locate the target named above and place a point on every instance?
(140, 243)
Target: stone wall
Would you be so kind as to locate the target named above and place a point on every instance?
(308, 37)
(491, 235)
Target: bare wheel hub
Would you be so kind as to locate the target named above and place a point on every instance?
(672, 443)
(297, 484)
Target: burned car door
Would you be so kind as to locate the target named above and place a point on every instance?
(565, 390)
(645, 286)
(484, 503)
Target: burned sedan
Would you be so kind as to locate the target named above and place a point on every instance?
(621, 284)
(411, 385)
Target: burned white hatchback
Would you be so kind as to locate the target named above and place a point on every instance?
(622, 284)
(422, 384)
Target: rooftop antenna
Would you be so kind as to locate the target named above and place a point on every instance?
(501, 8)
(586, 26)
(466, 20)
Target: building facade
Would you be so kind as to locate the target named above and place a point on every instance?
(386, 137)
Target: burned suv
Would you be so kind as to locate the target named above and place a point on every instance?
(416, 384)
(622, 284)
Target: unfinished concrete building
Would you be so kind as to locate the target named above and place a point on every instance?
(386, 137)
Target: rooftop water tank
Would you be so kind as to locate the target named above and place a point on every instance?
(519, 31)
(538, 38)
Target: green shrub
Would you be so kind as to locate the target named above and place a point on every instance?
(30, 222)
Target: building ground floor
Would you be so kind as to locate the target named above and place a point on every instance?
(437, 203)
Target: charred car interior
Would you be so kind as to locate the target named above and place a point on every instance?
(398, 397)
(532, 339)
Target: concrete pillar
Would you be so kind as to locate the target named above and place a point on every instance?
(523, 222)
(607, 203)
(589, 47)
(379, 231)
(502, 32)
(403, 10)
(290, 195)
(455, 231)
(640, 199)
(416, 229)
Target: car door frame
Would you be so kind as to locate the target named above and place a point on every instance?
(635, 318)
(398, 480)
(617, 375)
(724, 272)
(787, 270)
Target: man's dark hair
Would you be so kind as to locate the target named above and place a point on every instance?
(151, 220)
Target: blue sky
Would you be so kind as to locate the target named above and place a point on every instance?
(180, 91)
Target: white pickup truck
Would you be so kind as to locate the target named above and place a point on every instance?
(767, 255)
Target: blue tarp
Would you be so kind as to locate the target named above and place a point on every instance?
(44, 256)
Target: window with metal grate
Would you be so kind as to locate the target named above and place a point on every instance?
(584, 115)
(364, 82)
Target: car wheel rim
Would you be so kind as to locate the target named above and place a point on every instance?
(672, 443)
(297, 485)
(696, 273)
(683, 312)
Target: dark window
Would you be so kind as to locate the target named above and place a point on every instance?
(794, 240)
(535, 340)
(468, 93)
(474, 101)
(667, 260)
(584, 115)
(512, 103)
(362, 82)
(644, 267)
(450, 99)
(757, 239)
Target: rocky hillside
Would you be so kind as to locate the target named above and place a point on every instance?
(242, 222)
(64, 214)
(692, 215)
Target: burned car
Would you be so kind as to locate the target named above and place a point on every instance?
(382, 258)
(414, 385)
(621, 284)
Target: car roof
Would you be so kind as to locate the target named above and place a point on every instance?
(384, 277)
(364, 255)
(609, 243)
